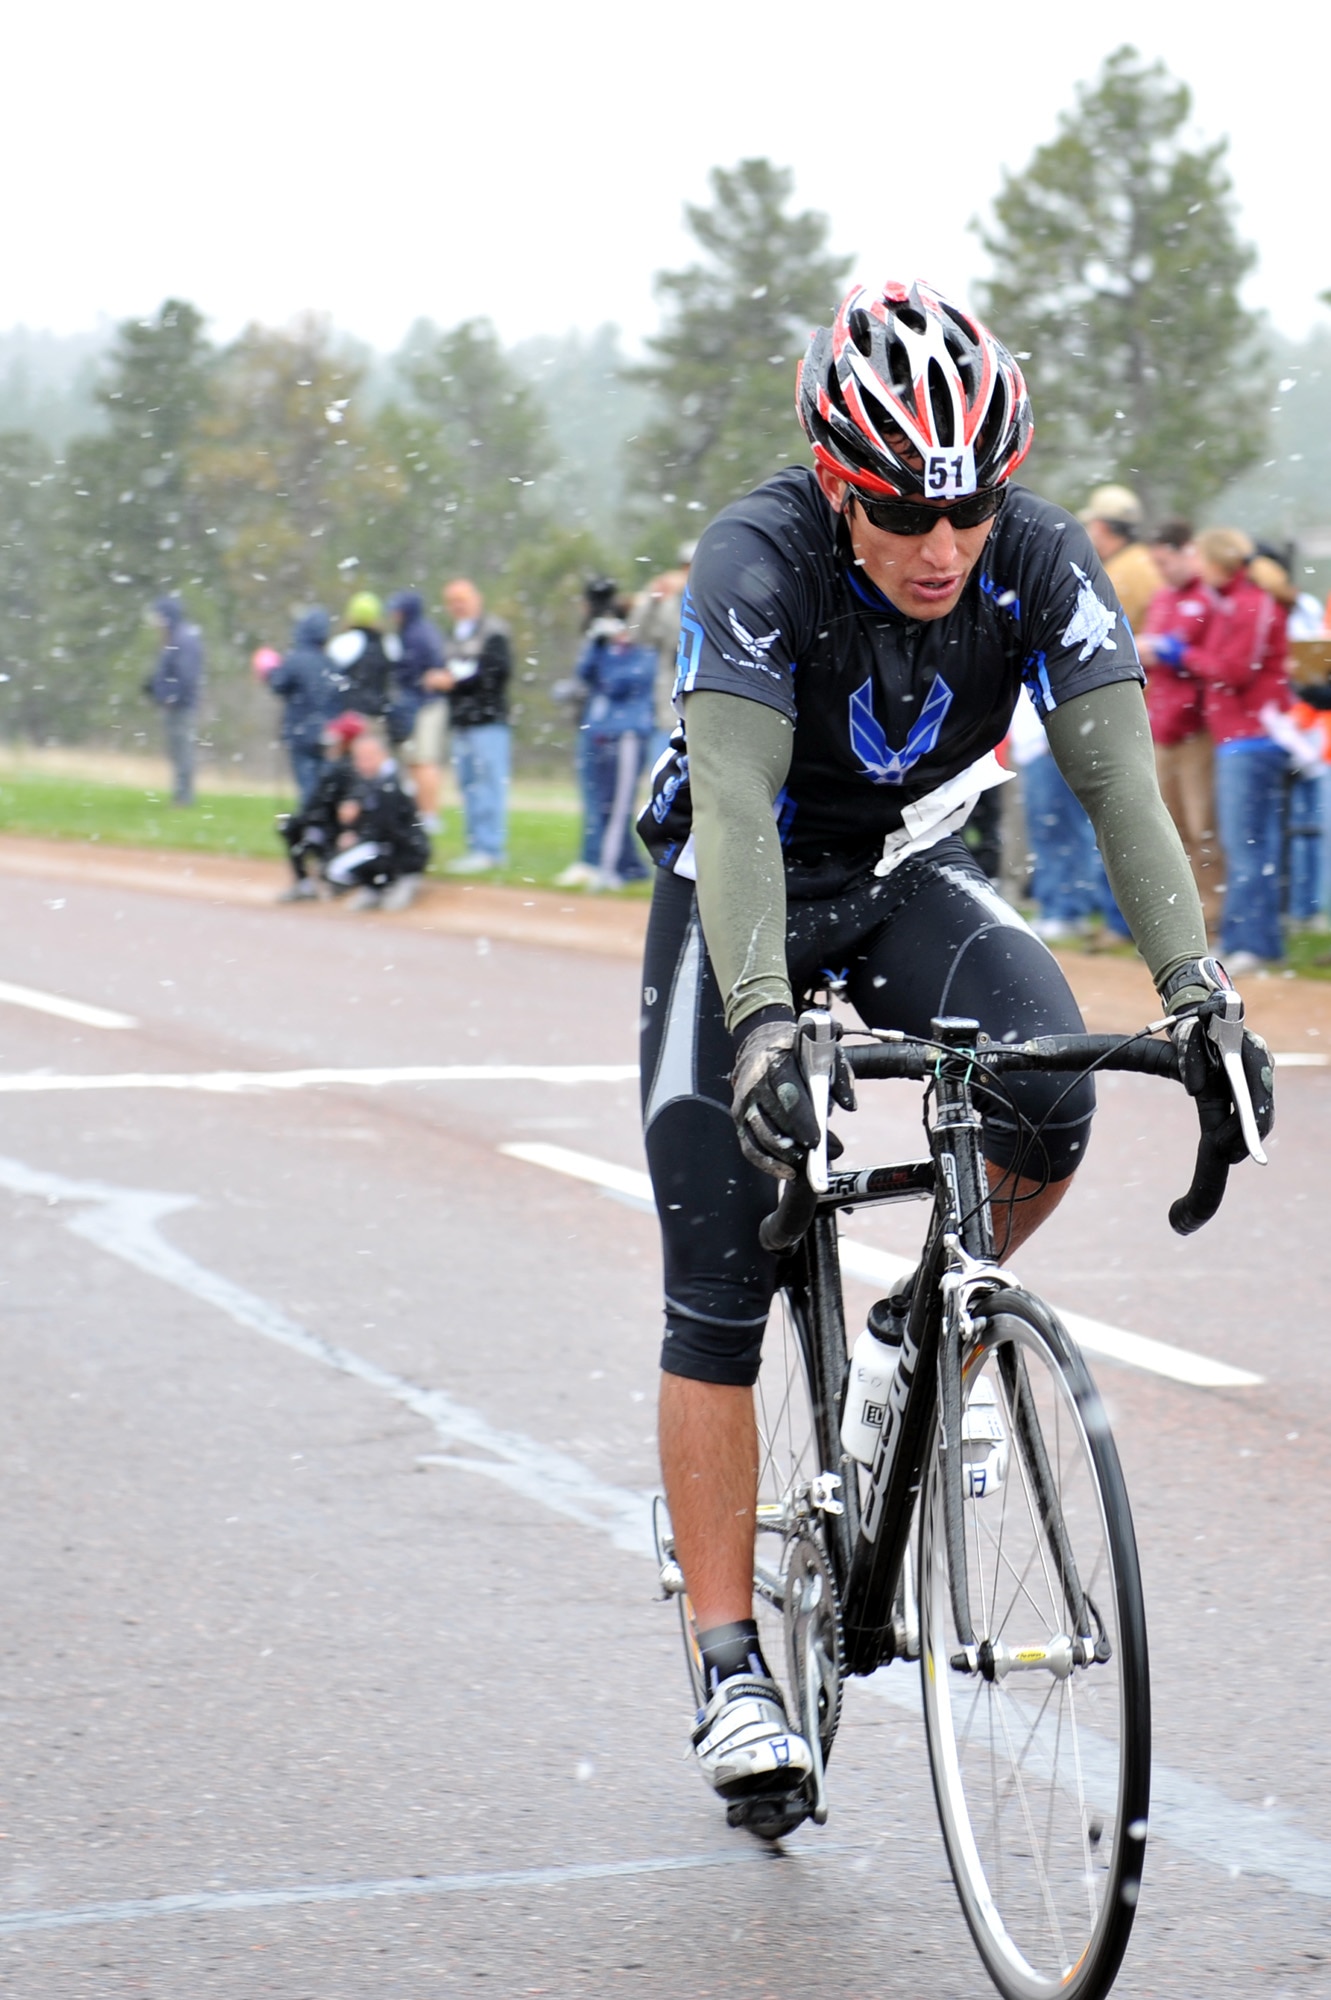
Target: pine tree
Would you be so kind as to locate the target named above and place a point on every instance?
(153, 393)
(723, 371)
(469, 442)
(1117, 268)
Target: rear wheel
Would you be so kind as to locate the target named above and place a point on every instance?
(1039, 1722)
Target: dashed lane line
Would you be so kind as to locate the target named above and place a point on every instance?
(1197, 1818)
(882, 1267)
(237, 1082)
(65, 1009)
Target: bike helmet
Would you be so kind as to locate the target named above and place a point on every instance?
(902, 373)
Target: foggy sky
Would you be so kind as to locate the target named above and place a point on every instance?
(389, 162)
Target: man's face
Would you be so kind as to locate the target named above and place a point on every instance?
(923, 575)
(462, 601)
(368, 755)
(1106, 541)
(1177, 566)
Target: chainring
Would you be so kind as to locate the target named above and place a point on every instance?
(813, 1621)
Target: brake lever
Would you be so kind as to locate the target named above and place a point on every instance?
(1226, 1032)
(817, 1059)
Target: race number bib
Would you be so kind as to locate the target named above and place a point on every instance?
(949, 475)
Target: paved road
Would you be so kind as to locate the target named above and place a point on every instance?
(331, 1665)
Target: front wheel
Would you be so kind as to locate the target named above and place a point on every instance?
(1039, 1721)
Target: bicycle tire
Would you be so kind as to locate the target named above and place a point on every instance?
(1041, 1768)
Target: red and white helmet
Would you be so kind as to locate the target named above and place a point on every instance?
(902, 375)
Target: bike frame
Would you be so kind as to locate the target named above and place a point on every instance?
(869, 1543)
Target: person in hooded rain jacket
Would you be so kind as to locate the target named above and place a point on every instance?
(421, 707)
(306, 684)
(175, 684)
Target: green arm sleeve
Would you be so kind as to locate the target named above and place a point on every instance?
(739, 756)
(1102, 744)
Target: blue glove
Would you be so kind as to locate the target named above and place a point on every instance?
(1169, 649)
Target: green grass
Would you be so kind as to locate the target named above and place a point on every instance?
(542, 839)
(1309, 954)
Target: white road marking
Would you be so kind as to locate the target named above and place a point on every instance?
(883, 1267)
(235, 1082)
(630, 1181)
(1300, 1059)
(205, 1901)
(124, 1221)
(1135, 1350)
(1197, 1818)
(66, 1010)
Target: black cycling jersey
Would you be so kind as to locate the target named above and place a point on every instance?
(886, 709)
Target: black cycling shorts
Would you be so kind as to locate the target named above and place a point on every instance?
(932, 938)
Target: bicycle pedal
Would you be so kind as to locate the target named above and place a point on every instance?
(768, 1818)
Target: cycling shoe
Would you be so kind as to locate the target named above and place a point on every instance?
(745, 1747)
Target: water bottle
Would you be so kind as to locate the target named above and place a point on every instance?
(873, 1364)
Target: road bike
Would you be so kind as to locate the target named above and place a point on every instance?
(991, 1537)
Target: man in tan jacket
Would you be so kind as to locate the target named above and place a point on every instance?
(1113, 521)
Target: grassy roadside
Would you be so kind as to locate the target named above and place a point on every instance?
(544, 831)
(543, 836)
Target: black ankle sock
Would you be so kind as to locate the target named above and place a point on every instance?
(731, 1649)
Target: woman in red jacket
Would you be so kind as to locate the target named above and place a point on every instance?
(1240, 655)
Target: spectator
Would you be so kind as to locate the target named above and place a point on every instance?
(1113, 521)
(603, 610)
(305, 684)
(1312, 714)
(422, 654)
(1068, 881)
(1175, 699)
(175, 684)
(654, 621)
(1305, 742)
(382, 848)
(477, 664)
(1240, 655)
(364, 658)
(311, 832)
(620, 677)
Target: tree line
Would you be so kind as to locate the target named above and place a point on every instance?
(288, 467)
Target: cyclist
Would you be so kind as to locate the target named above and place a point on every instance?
(853, 640)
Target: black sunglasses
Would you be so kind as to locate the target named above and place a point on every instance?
(912, 517)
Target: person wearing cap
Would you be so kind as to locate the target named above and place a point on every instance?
(1113, 522)
(311, 832)
(1175, 700)
(364, 657)
(382, 849)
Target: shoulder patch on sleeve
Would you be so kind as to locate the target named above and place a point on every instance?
(1091, 622)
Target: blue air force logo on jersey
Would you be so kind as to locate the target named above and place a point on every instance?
(878, 760)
